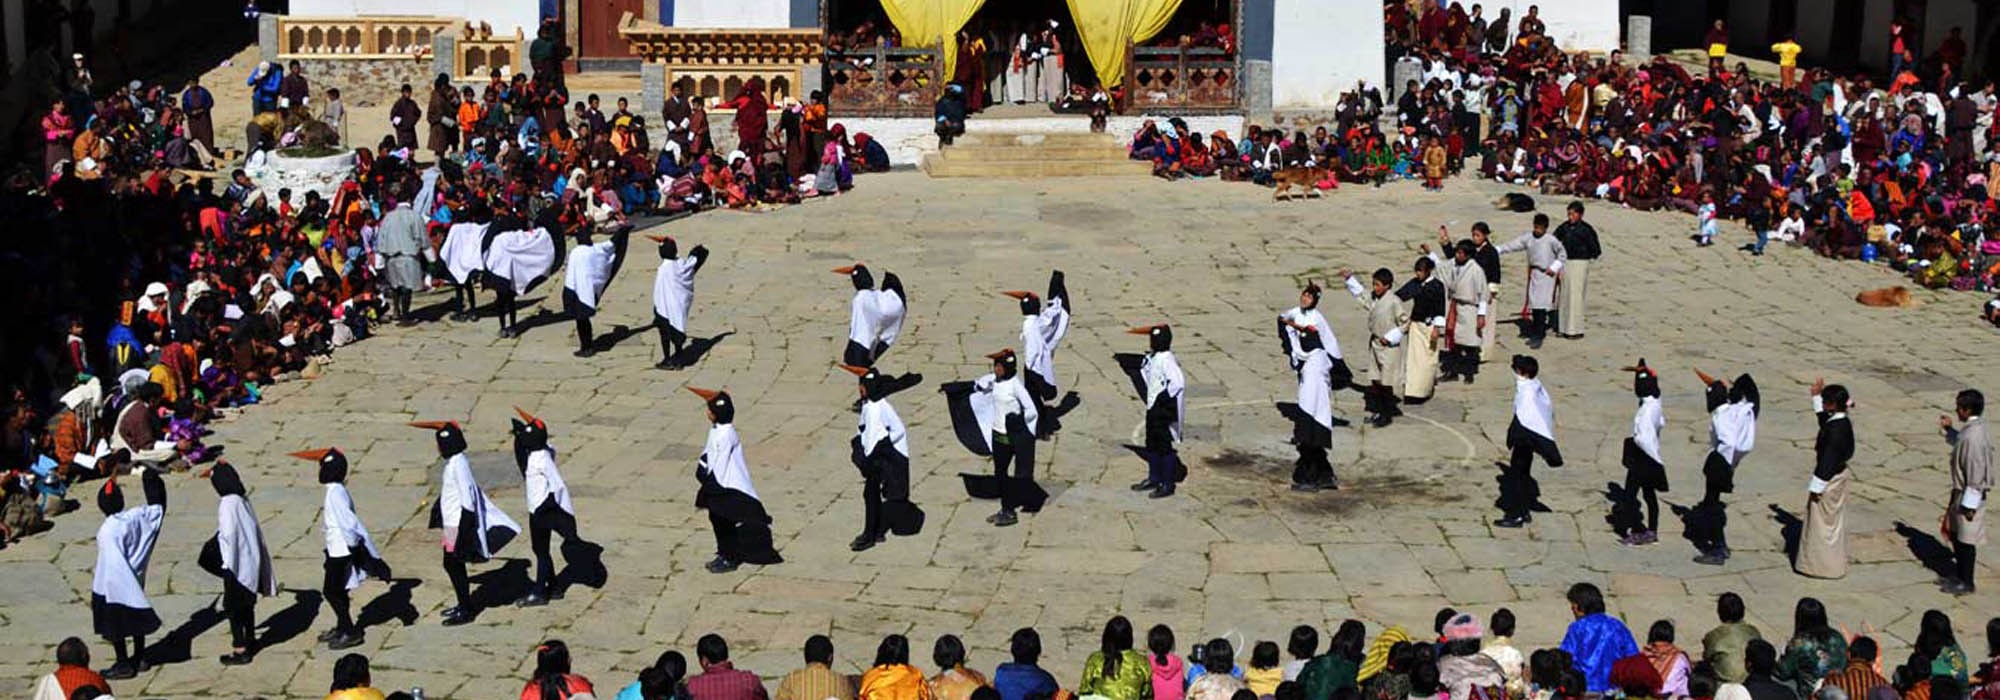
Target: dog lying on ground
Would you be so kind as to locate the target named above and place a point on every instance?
(1888, 297)
(1307, 179)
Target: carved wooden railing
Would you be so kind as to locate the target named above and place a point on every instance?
(477, 56)
(1182, 79)
(358, 37)
(658, 43)
(722, 82)
(884, 82)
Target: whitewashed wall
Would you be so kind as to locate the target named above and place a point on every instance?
(504, 15)
(1320, 47)
(908, 138)
(736, 14)
(1577, 25)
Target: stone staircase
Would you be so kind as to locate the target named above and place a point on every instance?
(1060, 154)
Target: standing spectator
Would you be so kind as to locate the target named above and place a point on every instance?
(72, 672)
(196, 105)
(1579, 240)
(57, 131)
(403, 117)
(1595, 640)
(954, 681)
(892, 677)
(351, 680)
(751, 121)
(719, 679)
(294, 92)
(552, 679)
(442, 116)
(335, 114)
(1021, 679)
(1722, 648)
(1718, 49)
(816, 680)
(1788, 66)
(1971, 478)
(264, 84)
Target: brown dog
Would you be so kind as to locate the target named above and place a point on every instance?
(1887, 297)
(1303, 178)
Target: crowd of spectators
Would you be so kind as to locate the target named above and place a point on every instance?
(1459, 656)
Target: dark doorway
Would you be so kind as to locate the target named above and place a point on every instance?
(1843, 49)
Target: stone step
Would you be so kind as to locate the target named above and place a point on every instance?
(964, 152)
(936, 166)
(1084, 138)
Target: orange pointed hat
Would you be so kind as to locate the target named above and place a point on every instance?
(1019, 295)
(529, 418)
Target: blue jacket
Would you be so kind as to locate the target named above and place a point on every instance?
(1019, 681)
(1594, 642)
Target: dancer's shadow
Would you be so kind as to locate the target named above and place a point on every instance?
(395, 604)
(1926, 547)
(178, 645)
(619, 333)
(542, 317)
(502, 586)
(293, 620)
(1626, 514)
(583, 564)
(696, 348)
(1791, 528)
(434, 311)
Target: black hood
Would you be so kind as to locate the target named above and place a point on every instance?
(723, 407)
(669, 249)
(111, 499)
(1161, 339)
(333, 467)
(1746, 390)
(225, 480)
(861, 278)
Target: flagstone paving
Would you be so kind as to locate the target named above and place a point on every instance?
(1235, 554)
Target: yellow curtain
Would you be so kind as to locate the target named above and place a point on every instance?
(1106, 25)
(924, 22)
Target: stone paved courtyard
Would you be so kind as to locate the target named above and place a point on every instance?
(1236, 552)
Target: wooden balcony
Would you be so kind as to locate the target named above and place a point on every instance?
(358, 37)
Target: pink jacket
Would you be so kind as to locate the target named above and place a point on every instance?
(1167, 677)
(56, 128)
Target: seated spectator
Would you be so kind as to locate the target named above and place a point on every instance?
(892, 677)
(1595, 640)
(954, 680)
(816, 680)
(660, 681)
(1021, 679)
(1219, 679)
(72, 673)
(1858, 679)
(1115, 670)
(351, 681)
(1166, 666)
(1337, 668)
(1760, 659)
(1464, 671)
(1265, 673)
(552, 679)
(719, 679)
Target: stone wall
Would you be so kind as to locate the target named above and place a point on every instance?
(365, 82)
(907, 138)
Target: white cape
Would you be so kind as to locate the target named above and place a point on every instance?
(1533, 408)
(522, 257)
(589, 270)
(124, 548)
(544, 480)
(879, 420)
(982, 400)
(461, 493)
(723, 456)
(1162, 372)
(673, 290)
(345, 531)
(461, 253)
(244, 554)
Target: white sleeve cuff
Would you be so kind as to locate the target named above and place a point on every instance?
(1556, 267)
(1482, 307)
(1438, 321)
(1819, 404)
(1394, 336)
(1353, 287)
(1972, 499)
(1817, 485)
